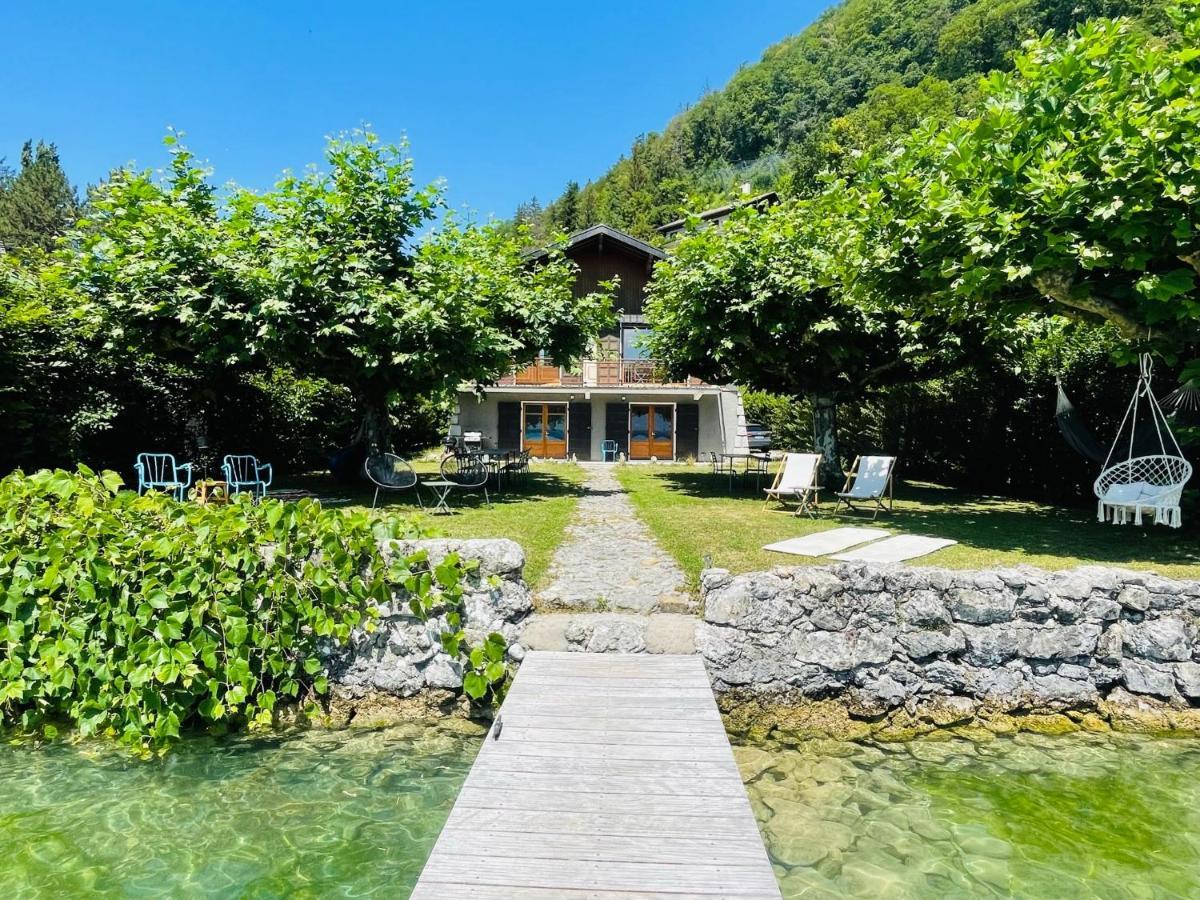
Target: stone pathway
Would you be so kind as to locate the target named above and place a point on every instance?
(611, 632)
(610, 561)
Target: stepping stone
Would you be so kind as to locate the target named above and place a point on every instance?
(825, 542)
(896, 549)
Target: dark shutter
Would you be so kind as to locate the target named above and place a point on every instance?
(616, 425)
(687, 430)
(579, 430)
(508, 425)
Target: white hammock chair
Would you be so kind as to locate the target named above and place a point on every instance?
(1143, 484)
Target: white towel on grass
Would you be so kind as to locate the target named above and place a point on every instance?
(896, 549)
(825, 542)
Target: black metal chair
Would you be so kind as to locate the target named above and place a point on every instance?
(389, 472)
(469, 472)
(718, 463)
(756, 468)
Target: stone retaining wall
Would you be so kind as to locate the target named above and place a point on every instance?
(402, 660)
(915, 648)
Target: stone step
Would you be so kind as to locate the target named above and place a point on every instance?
(611, 632)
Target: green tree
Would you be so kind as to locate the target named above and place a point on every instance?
(37, 203)
(1074, 191)
(343, 274)
(762, 302)
(565, 211)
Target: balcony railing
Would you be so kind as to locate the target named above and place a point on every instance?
(596, 373)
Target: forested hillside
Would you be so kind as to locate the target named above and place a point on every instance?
(864, 72)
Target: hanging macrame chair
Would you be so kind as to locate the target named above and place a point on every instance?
(1143, 482)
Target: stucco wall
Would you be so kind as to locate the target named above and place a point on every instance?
(719, 414)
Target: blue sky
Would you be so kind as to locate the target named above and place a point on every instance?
(503, 100)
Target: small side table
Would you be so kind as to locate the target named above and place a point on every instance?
(441, 491)
(209, 491)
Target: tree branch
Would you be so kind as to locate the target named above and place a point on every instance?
(1058, 286)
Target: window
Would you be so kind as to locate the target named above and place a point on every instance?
(631, 339)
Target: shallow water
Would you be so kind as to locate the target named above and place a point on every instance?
(1028, 816)
(347, 814)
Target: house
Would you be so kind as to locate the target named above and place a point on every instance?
(712, 218)
(617, 395)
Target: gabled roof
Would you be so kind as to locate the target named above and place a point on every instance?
(770, 198)
(606, 233)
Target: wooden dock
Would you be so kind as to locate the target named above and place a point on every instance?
(611, 776)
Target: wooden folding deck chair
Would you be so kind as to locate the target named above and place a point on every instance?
(796, 480)
(869, 479)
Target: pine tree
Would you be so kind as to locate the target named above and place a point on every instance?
(531, 214)
(566, 210)
(37, 204)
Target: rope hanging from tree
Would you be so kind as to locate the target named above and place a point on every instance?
(1143, 481)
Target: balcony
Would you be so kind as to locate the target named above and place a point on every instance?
(596, 373)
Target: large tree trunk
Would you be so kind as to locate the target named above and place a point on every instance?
(824, 413)
(376, 428)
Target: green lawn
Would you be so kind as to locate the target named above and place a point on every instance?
(692, 514)
(534, 514)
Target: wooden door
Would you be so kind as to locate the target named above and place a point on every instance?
(652, 431)
(544, 430)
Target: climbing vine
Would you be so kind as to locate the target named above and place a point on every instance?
(136, 617)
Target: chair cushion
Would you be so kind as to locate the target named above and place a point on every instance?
(1133, 492)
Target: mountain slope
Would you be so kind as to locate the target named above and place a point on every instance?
(865, 71)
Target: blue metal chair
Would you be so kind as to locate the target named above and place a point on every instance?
(160, 472)
(246, 473)
(609, 451)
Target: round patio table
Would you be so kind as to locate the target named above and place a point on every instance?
(441, 491)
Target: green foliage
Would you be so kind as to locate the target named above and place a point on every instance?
(1075, 190)
(990, 426)
(852, 62)
(328, 274)
(137, 617)
(53, 387)
(37, 204)
(764, 301)
(790, 420)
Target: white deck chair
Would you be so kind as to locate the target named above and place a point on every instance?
(796, 480)
(869, 479)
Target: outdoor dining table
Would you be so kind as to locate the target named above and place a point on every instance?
(494, 461)
(764, 460)
(441, 491)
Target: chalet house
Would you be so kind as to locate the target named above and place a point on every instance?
(617, 395)
(713, 218)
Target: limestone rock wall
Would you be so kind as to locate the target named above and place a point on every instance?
(888, 638)
(403, 656)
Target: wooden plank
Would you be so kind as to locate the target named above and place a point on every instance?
(514, 761)
(508, 892)
(601, 721)
(563, 750)
(599, 698)
(632, 710)
(593, 823)
(630, 738)
(605, 785)
(611, 776)
(669, 849)
(532, 803)
(586, 875)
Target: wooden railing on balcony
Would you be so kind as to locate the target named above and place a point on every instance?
(596, 373)
(542, 371)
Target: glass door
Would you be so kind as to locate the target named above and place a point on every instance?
(544, 430)
(652, 431)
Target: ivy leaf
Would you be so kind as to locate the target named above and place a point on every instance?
(475, 685)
